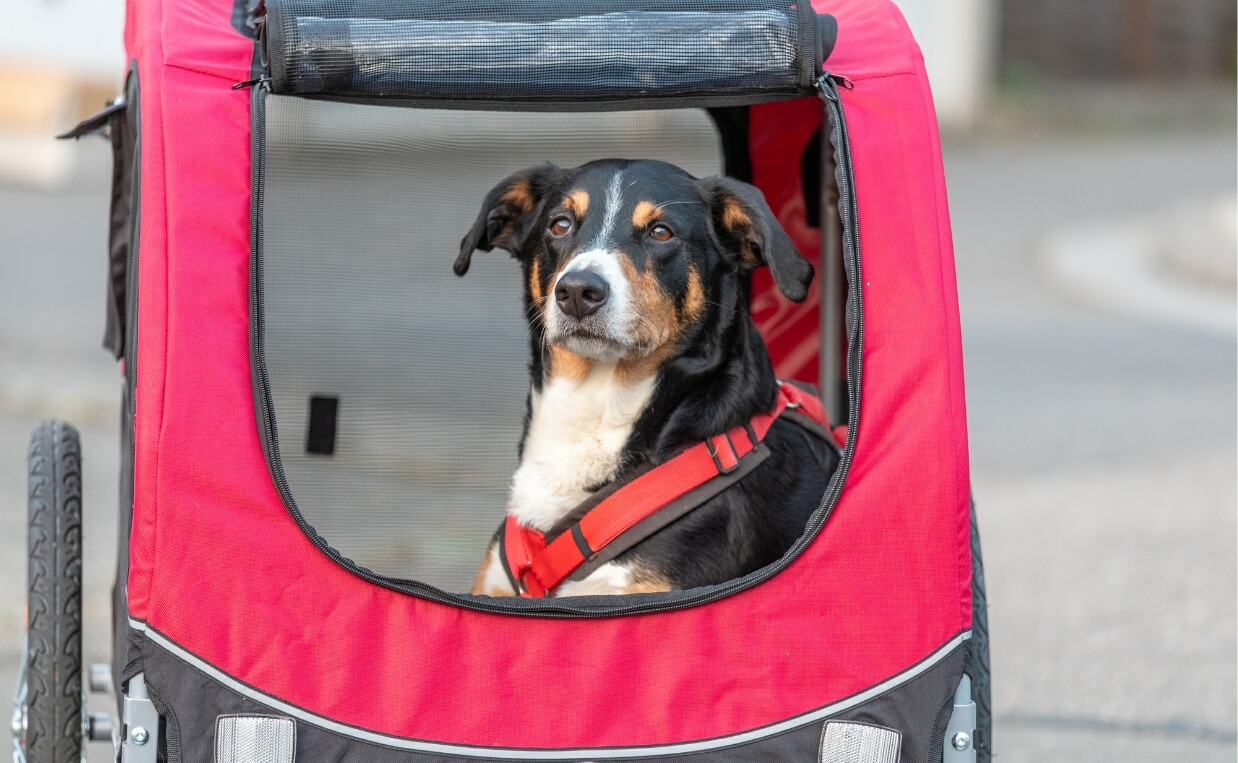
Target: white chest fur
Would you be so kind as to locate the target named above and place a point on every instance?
(576, 433)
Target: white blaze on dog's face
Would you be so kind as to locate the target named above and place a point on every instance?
(591, 312)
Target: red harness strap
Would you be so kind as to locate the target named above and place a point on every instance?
(537, 566)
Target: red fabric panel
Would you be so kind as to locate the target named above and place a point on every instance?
(873, 41)
(777, 136)
(220, 567)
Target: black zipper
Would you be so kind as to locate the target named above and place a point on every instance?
(827, 85)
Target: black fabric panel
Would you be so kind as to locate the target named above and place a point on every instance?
(732, 123)
(810, 179)
(119, 123)
(120, 603)
(827, 35)
(519, 50)
(978, 664)
(913, 708)
(192, 701)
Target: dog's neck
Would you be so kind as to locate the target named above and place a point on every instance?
(578, 426)
(590, 422)
(719, 385)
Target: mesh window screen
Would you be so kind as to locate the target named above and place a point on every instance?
(398, 389)
(572, 50)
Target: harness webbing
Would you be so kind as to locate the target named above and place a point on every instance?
(535, 567)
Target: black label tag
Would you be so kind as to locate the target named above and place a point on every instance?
(321, 437)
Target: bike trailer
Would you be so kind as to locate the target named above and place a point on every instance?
(318, 427)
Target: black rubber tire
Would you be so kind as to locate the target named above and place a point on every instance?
(980, 691)
(54, 596)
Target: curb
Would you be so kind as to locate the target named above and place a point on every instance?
(1119, 267)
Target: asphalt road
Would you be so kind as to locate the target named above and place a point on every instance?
(1103, 446)
(1103, 462)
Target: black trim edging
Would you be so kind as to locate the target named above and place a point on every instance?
(581, 606)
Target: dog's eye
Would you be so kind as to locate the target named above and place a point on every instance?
(660, 233)
(560, 227)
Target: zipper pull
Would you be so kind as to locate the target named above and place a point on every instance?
(828, 83)
(261, 81)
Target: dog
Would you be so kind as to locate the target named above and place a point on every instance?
(642, 346)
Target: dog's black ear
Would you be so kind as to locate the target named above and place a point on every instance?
(505, 214)
(742, 218)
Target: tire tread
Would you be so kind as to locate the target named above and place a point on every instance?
(54, 595)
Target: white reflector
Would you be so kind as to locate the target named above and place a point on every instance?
(255, 739)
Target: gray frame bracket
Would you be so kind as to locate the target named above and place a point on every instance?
(959, 744)
(141, 725)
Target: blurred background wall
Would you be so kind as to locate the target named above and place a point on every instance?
(959, 44)
(982, 52)
(60, 60)
(1168, 40)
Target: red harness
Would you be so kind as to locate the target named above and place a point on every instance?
(536, 567)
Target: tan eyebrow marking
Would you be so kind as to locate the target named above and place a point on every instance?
(577, 202)
(645, 213)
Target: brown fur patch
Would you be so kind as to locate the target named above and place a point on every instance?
(644, 214)
(648, 586)
(647, 581)
(577, 202)
(658, 328)
(565, 364)
(635, 370)
(694, 301)
(535, 282)
(520, 196)
(735, 218)
(479, 583)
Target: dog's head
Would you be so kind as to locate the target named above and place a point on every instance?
(624, 260)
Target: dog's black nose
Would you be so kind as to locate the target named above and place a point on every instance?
(580, 293)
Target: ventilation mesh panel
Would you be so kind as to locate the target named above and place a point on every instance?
(364, 209)
(582, 50)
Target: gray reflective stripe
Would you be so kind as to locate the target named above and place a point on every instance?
(598, 753)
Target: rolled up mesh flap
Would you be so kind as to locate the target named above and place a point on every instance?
(587, 51)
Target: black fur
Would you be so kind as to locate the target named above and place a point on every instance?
(719, 374)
